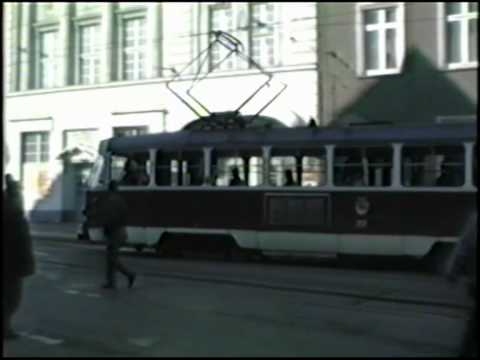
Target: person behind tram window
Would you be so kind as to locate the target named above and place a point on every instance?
(235, 179)
(134, 175)
(357, 179)
(289, 178)
(446, 177)
(142, 175)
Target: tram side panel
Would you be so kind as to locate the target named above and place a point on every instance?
(383, 223)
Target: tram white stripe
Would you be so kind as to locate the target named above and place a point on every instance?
(44, 339)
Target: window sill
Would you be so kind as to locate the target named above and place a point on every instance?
(465, 66)
(375, 73)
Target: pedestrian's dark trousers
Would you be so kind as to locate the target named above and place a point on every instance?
(114, 264)
(12, 296)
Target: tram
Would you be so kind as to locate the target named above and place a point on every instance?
(372, 190)
(247, 183)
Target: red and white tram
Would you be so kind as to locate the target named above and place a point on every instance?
(378, 190)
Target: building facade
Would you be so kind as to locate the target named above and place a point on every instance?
(77, 73)
(398, 62)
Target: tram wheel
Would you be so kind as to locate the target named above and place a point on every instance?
(235, 253)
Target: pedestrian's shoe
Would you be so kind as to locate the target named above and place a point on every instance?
(108, 286)
(131, 280)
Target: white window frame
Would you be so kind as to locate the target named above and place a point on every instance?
(275, 35)
(399, 26)
(78, 28)
(40, 83)
(38, 147)
(223, 51)
(123, 17)
(442, 37)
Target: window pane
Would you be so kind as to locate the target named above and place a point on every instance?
(314, 171)
(255, 176)
(453, 42)
(371, 50)
(391, 14)
(472, 40)
(454, 8)
(279, 166)
(224, 173)
(391, 46)
(372, 16)
(473, 7)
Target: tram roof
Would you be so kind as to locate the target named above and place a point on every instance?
(296, 137)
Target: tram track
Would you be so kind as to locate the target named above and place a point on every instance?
(356, 297)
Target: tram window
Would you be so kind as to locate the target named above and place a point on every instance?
(118, 167)
(314, 170)
(179, 169)
(193, 168)
(474, 165)
(255, 175)
(132, 170)
(223, 170)
(166, 172)
(278, 168)
(362, 166)
(98, 173)
(433, 165)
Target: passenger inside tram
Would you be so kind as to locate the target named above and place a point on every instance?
(289, 178)
(134, 174)
(235, 179)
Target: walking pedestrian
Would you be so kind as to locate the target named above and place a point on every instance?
(18, 259)
(465, 263)
(111, 213)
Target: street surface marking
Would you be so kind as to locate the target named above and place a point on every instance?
(81, 285)
(94, 295)
(144, 342)
(41, 338)
(72, 292)
(49, 275)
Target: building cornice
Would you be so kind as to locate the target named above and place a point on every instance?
(115, 84)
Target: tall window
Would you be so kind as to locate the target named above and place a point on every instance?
(263, 33)
(221, 18)
(460, 40)
(133, 49)
(48, 58)
(89, 59)
(35, 147)
(381, 39)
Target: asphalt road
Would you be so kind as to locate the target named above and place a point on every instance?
(197, 307)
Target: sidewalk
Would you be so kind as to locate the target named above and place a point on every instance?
(55, 231)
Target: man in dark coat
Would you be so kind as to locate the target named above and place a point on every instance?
(111, 214)
(18, 259)
(465, 263)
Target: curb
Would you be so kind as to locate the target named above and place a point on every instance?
(54, 236)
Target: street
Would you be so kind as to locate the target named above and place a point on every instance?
(198, 307)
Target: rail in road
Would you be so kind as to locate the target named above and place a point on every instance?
(272, 285)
